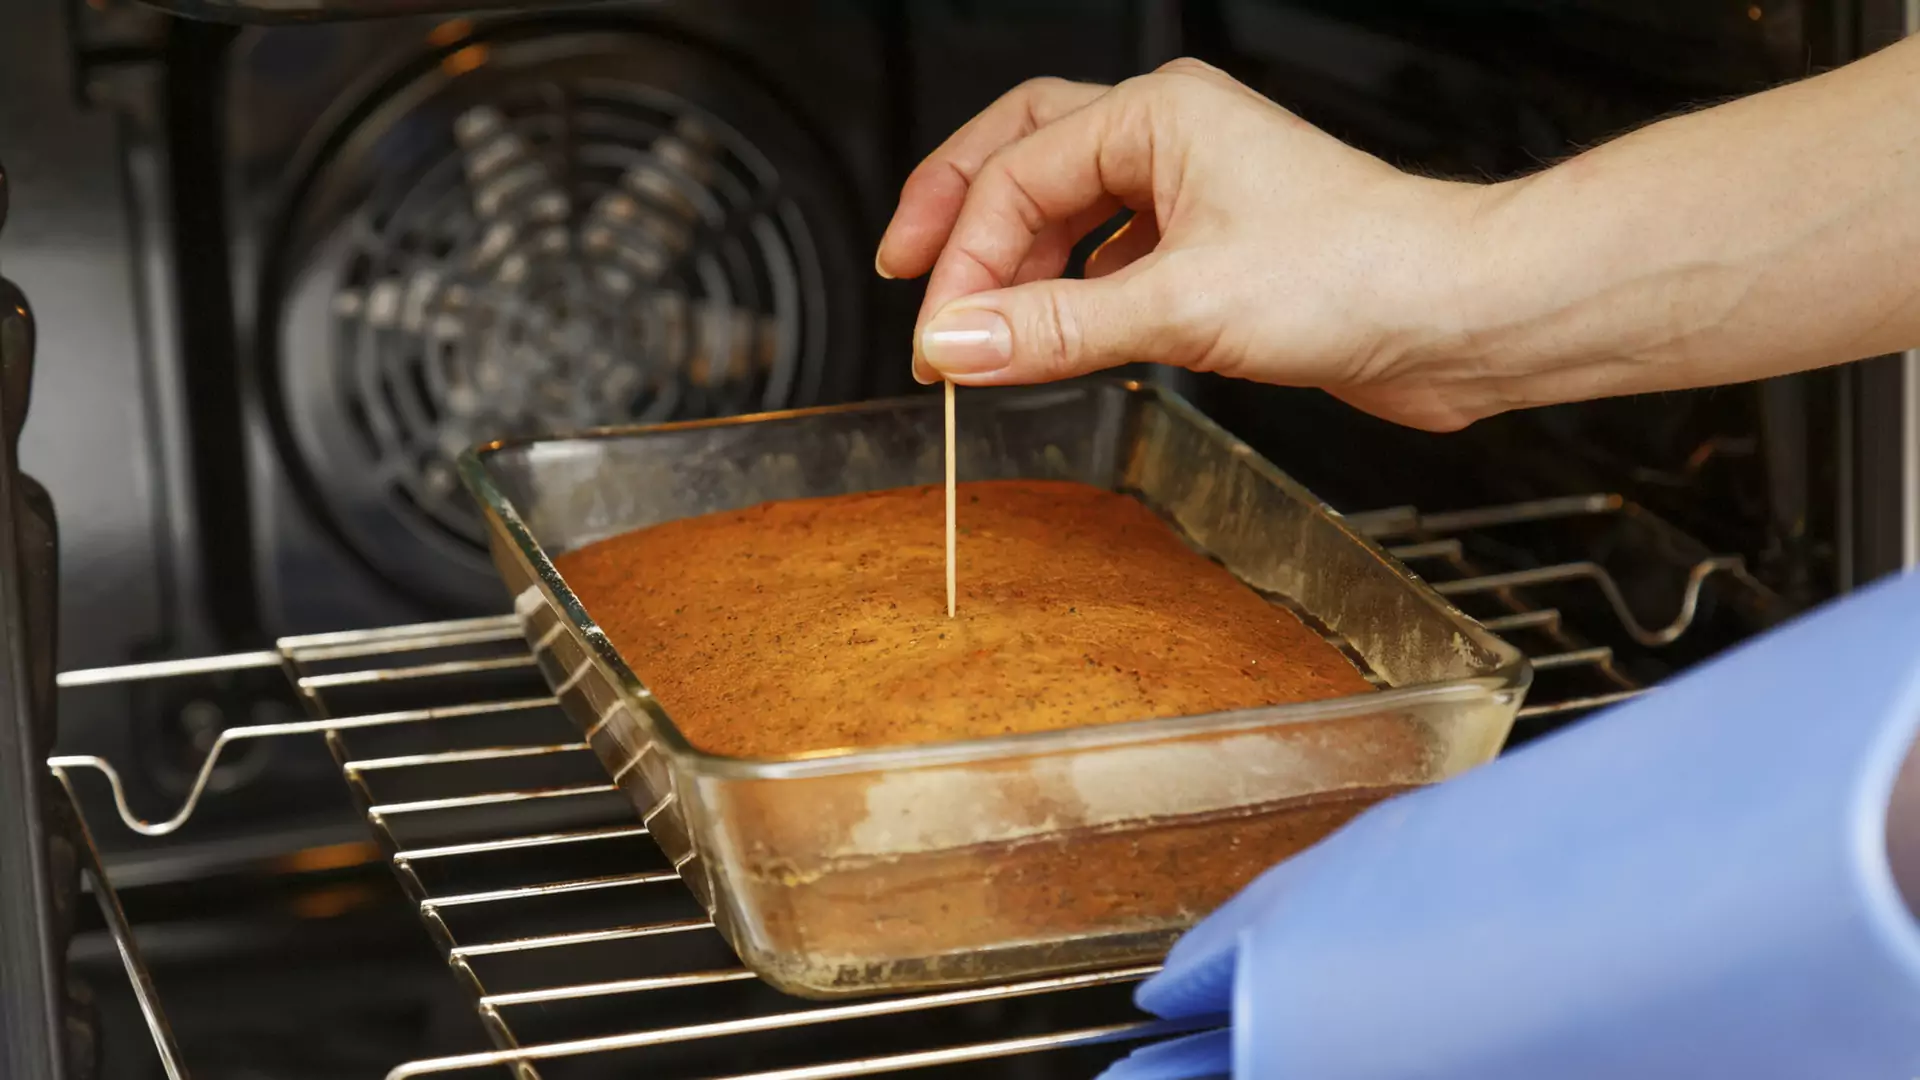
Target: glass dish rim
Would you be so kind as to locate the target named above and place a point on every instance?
(1511, 672)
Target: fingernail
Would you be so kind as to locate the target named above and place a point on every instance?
(967, 341)
(878, 269)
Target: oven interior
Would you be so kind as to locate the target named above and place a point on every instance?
(280, 268)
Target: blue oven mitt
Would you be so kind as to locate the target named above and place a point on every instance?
(1694, 885)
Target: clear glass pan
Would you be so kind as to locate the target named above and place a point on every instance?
(930, 865)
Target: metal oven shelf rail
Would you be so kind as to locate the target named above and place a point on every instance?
(540, 888)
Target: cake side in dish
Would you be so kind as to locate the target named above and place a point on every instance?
(814, 625)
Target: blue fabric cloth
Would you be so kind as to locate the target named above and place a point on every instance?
(1692, 885)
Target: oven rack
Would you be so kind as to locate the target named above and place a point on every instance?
(502, 763)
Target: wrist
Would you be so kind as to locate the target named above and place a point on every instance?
(1450, 302)
(1543, 297)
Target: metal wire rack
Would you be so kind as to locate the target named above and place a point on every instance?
(581, 951)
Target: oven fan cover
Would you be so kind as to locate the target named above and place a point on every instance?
(535, 234)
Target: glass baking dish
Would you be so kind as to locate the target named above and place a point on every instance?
(941, 864)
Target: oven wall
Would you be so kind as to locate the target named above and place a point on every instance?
(1878, 503)
(93, 434)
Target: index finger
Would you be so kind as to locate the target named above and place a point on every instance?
(1099, 155)
(934, 192)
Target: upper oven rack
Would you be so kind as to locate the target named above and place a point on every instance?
(329, 671)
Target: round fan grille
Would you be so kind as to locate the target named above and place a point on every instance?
(592, 253)
(540, 244)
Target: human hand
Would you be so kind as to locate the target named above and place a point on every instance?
(1771, 234)
(1260, 247)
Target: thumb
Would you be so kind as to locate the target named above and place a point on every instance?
(1047, 330)
(1199, 973)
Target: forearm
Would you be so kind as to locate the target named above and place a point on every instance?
(1772, 234)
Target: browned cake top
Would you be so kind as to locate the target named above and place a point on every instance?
(818, 624)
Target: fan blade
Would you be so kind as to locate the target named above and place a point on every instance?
(503, 171)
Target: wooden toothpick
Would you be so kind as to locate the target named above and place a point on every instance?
(950, 499)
